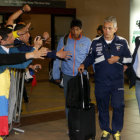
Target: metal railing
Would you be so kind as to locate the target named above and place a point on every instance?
(15, 98)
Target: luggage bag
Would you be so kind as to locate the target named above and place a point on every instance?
(81, 121)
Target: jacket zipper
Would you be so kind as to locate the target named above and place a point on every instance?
(74, 57)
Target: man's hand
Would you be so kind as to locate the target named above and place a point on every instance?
(125, 68)
(81, 68)
(63, 54)
(38, 53)
(26, 8)
(46, 37)
(38, 42)
(15, 15)
(113, 59)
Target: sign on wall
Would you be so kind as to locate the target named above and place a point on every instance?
(35, 3)
(134, 22)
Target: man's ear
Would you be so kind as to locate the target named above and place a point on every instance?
(116, 29)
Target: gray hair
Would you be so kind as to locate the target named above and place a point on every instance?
(111, 19)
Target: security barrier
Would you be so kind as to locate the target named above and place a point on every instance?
(15, 98)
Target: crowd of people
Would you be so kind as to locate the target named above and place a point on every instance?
(16, 52)
(108, 53)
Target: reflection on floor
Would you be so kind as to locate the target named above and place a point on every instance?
(43, 118)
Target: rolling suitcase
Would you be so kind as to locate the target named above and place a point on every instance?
(81, 121)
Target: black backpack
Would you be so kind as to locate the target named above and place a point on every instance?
(76, 94)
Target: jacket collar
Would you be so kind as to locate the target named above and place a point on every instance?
(114, 39)
(70, 36)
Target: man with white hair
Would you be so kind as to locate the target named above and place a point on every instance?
(109, 54)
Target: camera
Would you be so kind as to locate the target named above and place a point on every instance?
(37, 67)
(138, 23)
(39, 37)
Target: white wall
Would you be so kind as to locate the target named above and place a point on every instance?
(134, 16)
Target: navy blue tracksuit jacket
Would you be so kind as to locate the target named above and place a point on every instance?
(109, 79)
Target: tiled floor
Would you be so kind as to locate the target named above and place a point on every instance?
(47, 98)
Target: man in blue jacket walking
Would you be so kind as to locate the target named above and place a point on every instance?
(79, 46)
(109, 54)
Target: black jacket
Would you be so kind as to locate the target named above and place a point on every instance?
(10, 59)
(130, 71)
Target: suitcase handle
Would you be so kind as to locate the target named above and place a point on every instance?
(81, 74)
(82, 83)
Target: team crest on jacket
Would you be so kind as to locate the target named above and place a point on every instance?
(81, 45)
(99, 50)
(118, 48)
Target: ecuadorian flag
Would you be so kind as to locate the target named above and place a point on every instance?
(4, 95)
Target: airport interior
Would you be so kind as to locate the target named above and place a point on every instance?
(43, 116)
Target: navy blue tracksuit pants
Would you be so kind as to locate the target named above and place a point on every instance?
(115, 94)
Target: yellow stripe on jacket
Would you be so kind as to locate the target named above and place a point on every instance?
(5, 83)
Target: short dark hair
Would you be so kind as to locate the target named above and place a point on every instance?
(19, 26)
(76, 22)
(4, 33)
(100, 28)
